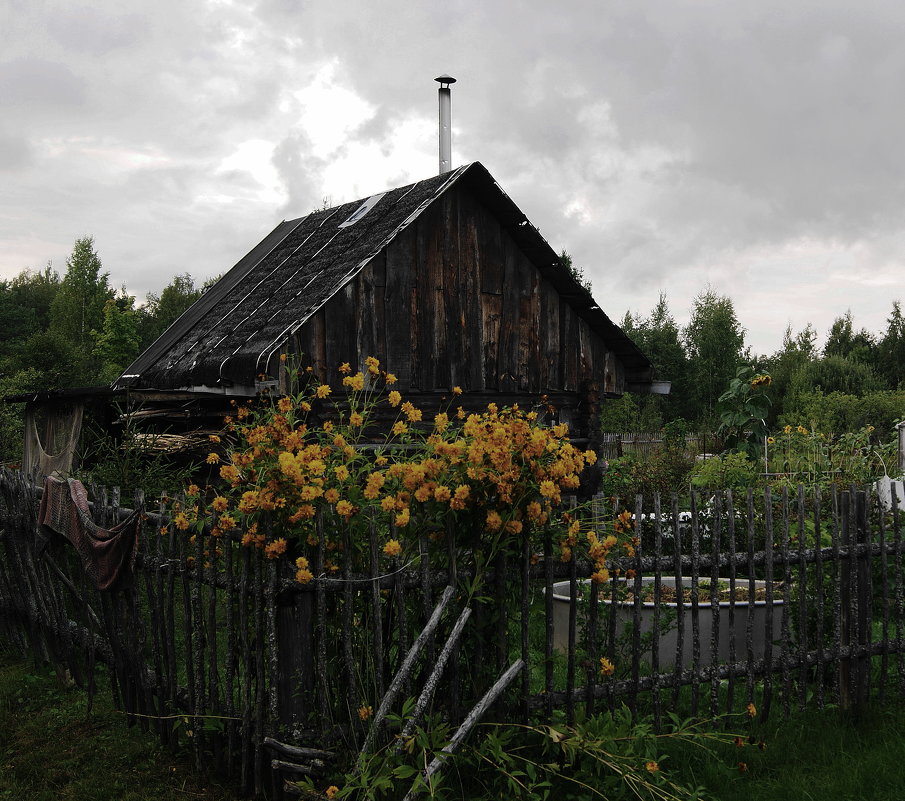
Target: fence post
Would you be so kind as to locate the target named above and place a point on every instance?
(854, 671)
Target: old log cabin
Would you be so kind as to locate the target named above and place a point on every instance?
(445, 281)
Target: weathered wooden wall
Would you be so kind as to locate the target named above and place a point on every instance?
(453, 301)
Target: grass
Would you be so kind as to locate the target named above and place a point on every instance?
(50, 748)
(817, 755)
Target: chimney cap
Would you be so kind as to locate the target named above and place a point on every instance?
(447, 79)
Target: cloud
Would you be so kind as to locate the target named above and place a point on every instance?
(753, 146)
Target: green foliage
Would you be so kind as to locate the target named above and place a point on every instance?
(659, 339)
(890, 354)
(159, 312)
(576, 272)
(846, 343)
(714, 342)
(665, 471)
(606, 756)
(807, 456)
(78, 307)
(733, 470)
(11, 414)
(840, 412)
(742, 410)
(116, 344)
(630, 413)
(129, 459)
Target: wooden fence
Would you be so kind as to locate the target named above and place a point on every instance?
(273, 679)
(644, 444)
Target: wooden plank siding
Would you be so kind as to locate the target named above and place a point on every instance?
(454, 301)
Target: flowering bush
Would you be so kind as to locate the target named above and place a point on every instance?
(306, 469)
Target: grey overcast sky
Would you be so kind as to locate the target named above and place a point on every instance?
(756, 148)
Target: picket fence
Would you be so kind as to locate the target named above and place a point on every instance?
(273, 679)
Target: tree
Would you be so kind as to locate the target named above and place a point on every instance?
(658, 336)
(842, 340)
(116, 344)
(78, 307)
(714, 342)
(24, 311)
(785, 365)
(891, 350)
(159, 313)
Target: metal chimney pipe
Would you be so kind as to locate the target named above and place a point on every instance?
(445, 123)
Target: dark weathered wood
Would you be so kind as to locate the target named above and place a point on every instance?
(398, 300)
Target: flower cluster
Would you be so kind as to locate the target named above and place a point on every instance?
(371, 456)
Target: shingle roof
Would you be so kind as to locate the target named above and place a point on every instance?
(228, 336)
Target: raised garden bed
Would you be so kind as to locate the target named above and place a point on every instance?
(764, 619)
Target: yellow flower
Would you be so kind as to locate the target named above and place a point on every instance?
(601, 576)
(192, 490)
(457, 390)
(391, 379)
(395, 398)
(364, 712)
(607, 668)
(801, 430)
(301, 563)
(751, 711)
(344, 368)
(399, 428)
(219, 504)
(345, 509)
(284, 404)
(356, 382)
(402, 519)
(331, 791)
(441, 421)
(651, 767)
(303, 575)
(214, 438)
(331, 495)
(275, 548)
(411, 412)
(213, 458)
(322, 391)
(392, 548)
(494, 521)
(356, 419)
(341, 472)
(181, 521)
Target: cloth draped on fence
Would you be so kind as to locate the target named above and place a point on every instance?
(108, 555)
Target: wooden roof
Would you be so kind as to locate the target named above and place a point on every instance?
(232, 333)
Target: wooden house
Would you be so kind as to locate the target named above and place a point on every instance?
(445, 281)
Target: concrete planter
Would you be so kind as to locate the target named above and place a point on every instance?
(760, 632)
